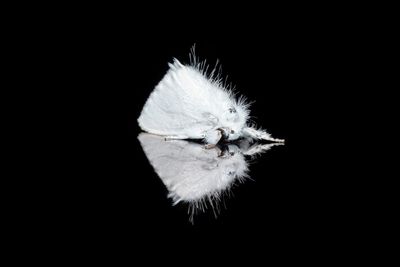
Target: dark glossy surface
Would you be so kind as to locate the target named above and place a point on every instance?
(281, 191)
(292, 191)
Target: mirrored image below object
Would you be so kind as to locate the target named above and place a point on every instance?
(196, 175)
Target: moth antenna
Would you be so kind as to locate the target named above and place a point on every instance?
(259, 148)
(260, 135)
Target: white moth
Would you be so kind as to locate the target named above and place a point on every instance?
(195, 175)
(189, 103)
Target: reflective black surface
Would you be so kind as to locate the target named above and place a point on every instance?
(292, 191)
(282, 188)
(94, 189)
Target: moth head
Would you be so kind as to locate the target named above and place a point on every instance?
(234, 120)
(234, 165)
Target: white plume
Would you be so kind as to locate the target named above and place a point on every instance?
(188, 103)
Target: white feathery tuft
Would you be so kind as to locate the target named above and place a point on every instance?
(193, 102)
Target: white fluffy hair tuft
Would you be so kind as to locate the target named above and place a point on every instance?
(195, 102)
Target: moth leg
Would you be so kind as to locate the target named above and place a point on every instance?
(212, 137)
(259, 148)
(260, 135)
(174, 137)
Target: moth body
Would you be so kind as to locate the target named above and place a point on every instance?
(189, 104)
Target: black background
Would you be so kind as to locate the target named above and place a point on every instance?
(81, 74)
(295, 68)
(281, 72)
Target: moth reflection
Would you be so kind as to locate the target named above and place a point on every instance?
(197, 175)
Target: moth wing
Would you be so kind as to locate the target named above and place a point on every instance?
(185, 103)
(189, 171)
